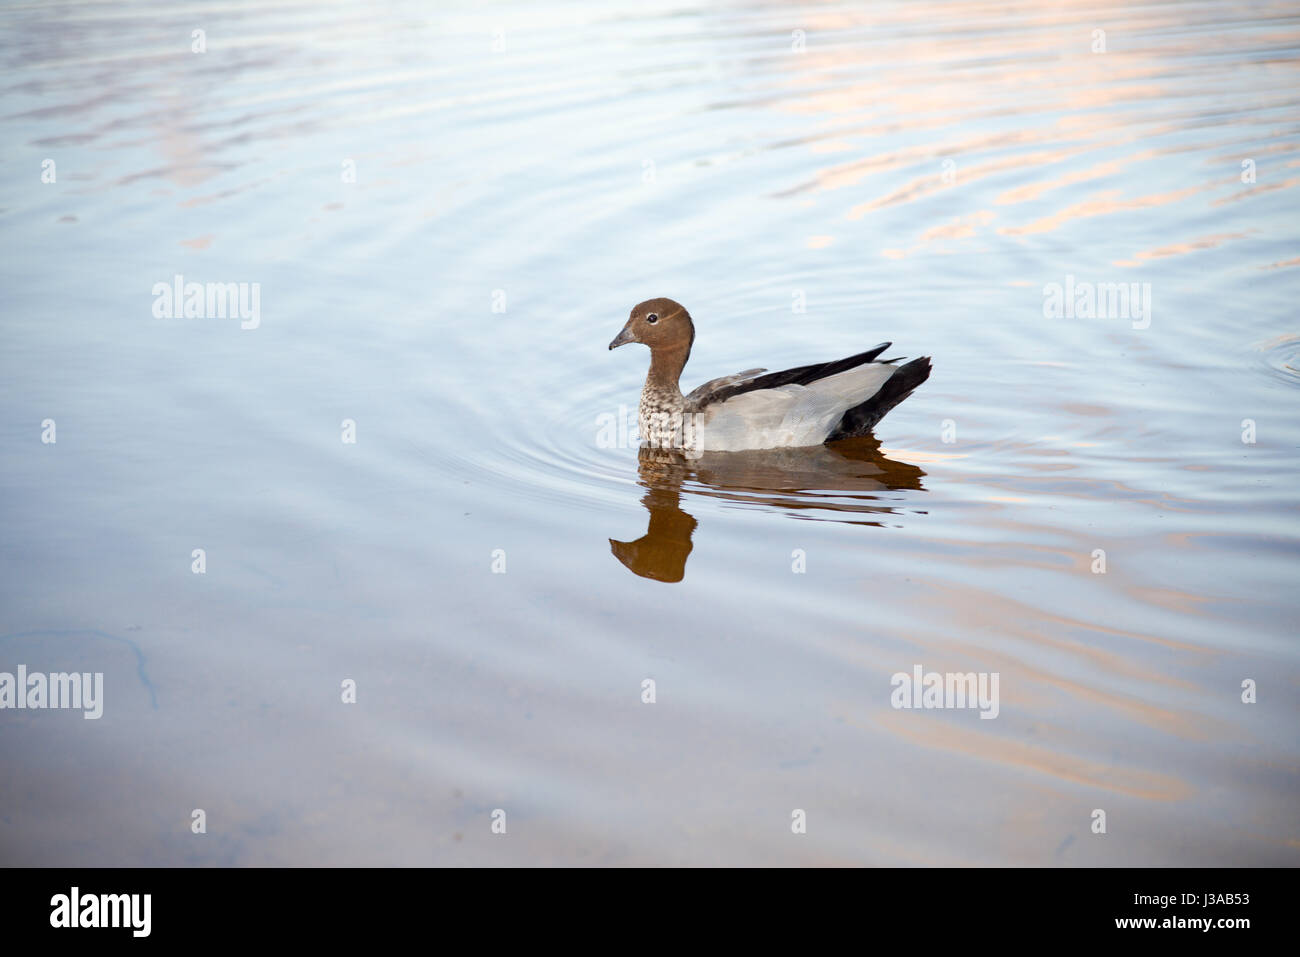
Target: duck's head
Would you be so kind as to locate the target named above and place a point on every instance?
(661, 324)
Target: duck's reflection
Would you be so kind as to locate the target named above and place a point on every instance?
(845, 481)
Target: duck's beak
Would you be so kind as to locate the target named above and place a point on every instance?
(624, 337)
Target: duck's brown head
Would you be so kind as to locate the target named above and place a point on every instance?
(661, 324)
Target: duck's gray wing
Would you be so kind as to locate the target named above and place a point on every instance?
(702, 395)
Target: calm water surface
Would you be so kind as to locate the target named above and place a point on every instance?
(499, 577)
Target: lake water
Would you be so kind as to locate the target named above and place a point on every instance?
(448, 212)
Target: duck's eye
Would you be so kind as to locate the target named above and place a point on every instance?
(652, 318)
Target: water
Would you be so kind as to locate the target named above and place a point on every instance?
(523, 176)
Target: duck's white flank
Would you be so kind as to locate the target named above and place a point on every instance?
(789, 415)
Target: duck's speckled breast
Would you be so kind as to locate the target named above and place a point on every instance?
(660, 419)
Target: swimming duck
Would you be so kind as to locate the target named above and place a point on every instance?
(806, 406)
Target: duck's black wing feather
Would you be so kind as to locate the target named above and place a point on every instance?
(862, 418)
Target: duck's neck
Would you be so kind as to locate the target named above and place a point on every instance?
(666, 369)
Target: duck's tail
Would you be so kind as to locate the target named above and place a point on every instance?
(862, 418)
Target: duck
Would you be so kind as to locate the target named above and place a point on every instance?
(809, 405)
